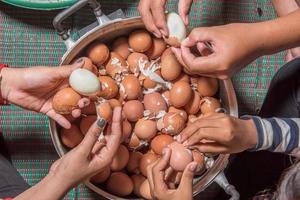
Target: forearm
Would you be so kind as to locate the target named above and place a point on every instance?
(284, 7)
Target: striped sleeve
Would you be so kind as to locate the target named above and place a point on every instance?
(277, 134)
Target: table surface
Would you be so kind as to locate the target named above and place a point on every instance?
(27, 38)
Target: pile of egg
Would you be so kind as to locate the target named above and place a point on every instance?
(141, 74)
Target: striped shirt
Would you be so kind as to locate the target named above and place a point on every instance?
(277, 134)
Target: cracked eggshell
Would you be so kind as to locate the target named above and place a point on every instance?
(160, 142)
(145, 129)
(119, 184)
(170, 67)
(71, 137)
(116, 64)
(180, 94)
(140, 41)
(157, 48)
(65, 100)
(193, 106)
(177, 30)
(173, 123)
(133, 165)
(155, 103)
(120, 159)
(134, 142)
(109, 88)
(147, 160)
(209, 105)
(121, 46)
(166, 96)
(181, 112)
(98, 53)
(133, 61)
(148, 83)
(133, 110)
(85, 82)
(180, 156)
(86, 123)
(101, 177)
(207, 86)
(130, 87)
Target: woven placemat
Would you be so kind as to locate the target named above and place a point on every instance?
(27, 38)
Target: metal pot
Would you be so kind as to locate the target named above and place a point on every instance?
(107, 30)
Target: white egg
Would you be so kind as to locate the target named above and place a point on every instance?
(84, 82)
(176, 26)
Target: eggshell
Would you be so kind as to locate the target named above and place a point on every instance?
(71, 137)
(145, 190)
(65, 100)
(116, 64)
(86, 123)
(104, 110)
(133, 164)
(98, 53)
(127, 129)
(207, 86)
(155, 103)
(157, 48)
(180, 156)
(140, 41)
(88, 64)
(120, 159)
(137, 182)
(133, 110)
(109, 88)
(130, 87)
(147, 160)
(101, 177)
(173, 123)
(166, 96)
(181, 112)
(193, 106)
(114, 103)
(199, 158)
(170, 67)
(145, 129)
(89, 109)
(182, 77)
(134, 142)
(119, 184)
(209, 105)
(160, 142)
(180, 94)
(133, 61)
(177, 29)
(121, 46)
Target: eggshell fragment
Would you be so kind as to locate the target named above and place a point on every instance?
(109, 88)
(157, 48)
(119, 184)
(134, 59)
(173, 123)
(137, 182)
(71, 137)
(65, 100)
(133, 110)
(209, 105)
(120, 159)
(116, 64)
(98, 53)
(121, 46)
(180, 94)
(101, 176)
(86, 123)
(181, 112)
(130, 87)
(177, 30)
(180, 156)
(193, 106)
(88, 64)
(207, 86)
(170, 67)
(134, 142)
(155, 103)
(147, 160)
(140, 41)
(145, 129)
(145, 190)
(133, 164)
(160, 142)
(166, 96)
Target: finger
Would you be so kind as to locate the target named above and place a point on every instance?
(203, 50)
(197, 35)
(158, 170)
(97, 147)
(184, 7)
(211, 147)
(203, 134)
(168, 172)
(61, 120)
(186, 184)
(66, 70)
(187, 132)
(159, 18)
(150, 177)
(76, 113)
(84, 102)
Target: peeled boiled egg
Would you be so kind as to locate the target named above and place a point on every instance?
(98, 53)
(193, 106)
(133, 165)
(209, 105)
(170, 67)
(160, 142)
(172, 123)
(147, 160)
(65, 100)
(120, 159)
(207, 86)
(180, 156)
(145, 129)
(86, 123)
(140, 41)
(116, 64)
(84, 82)
(133, 110)
(121, 46)
(137, 182)
(89, 109)
(109, 88)
(101, 177)
(134, 59)
(180, 94)
(130, 87)
(157, 48)
(145, 190)
(71, 137)
(104, 110)
(181, 112)
(155, 103)
(119, 184)
(177, 30)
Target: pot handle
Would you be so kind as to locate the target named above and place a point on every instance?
(222, 181)
(63, 31)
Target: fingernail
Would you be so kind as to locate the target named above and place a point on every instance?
(158, 35)
(193, 167)
(163, 32)
(186, 20)
(178, 138)
(185, 143)
(101, 123)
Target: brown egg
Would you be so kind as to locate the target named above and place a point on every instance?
(114, 103)
(133, 61)
(145, 190)
(166, 96)
(182, 77)
(109, 88)
(172, 123)
(137, 182)
(121, 46)
(120, 159)
(119, 184)
(148, 83)
(155, 103)
(130, 87)
(134, 142)
(182, 113)
(116, 64)
(71, 137)
(199, 158)
(170, 67)
(145, 129)
(98, 53)
(65, 100)
(133, 110)
(89, 110)
(140, 41)
(127, 129)
(180, 156)
(209, 105)
(86, 123)
(147, 160)
(160, 142)
(180, 94)
(157, 48)
(207, 87)
(101, 177)
(133, 165)
(104, 111)
(88, 64)
(193, 106)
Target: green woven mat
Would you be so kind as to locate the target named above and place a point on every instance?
(27, 38)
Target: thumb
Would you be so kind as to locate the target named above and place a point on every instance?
(184, 7)
(186, 184)
(203, 34)
(66, 70)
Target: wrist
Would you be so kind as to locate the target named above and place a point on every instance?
(251, 133)
(5, 85)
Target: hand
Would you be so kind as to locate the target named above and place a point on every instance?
(292, 54)
(90, 156)
(233, 46)
(220, 133)
(34, 88)
(153, 15)
(158, 187)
